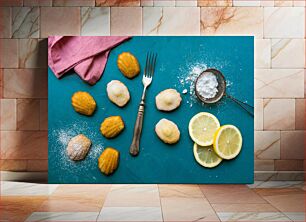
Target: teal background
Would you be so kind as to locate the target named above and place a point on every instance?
(157, 162)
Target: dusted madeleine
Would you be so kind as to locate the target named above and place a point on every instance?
(112, 126)
(128, 65)
(108, 161)
(83, 103)
(168, 100)
(167, 131)
(118, 93)
(78, 147)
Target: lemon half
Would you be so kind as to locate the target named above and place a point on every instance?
(202, 128)
(206, 156)
(227, 142)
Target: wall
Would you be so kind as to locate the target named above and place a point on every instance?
(279, 27)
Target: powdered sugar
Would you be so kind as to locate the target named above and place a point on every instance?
(207, 85)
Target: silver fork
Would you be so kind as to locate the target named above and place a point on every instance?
(146, 80)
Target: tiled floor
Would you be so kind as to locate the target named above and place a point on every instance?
(262, 201)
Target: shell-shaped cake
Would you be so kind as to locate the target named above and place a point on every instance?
(112, 126)
(78, 147)
(167, 131)
(118, 93)
(83, 103)
(128, 65)
(168, 100)
(108, 161)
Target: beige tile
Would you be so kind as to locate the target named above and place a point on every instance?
(289, 165)
(278, 19)
(126, 20)
(160, 21)
(262, 53)
(13, 165)
(230, 194)
(5, 22)
(37, 2)
(8, 53)
(146, 2)
(37, 165)
(247, 3)
(279, 83)
(164, 3)
(300, 114)
(292, 145)
(28, 114)
(267, 145)
(299, 3)
(43, 114)
(258, 109)
(220, 3)
(232, 21)
(266, 3)
(25, 83)
(1, 83)
(186, 3)
(279, 114)
(187, 209)
(283, 50)
(33, 53)
(24, 145)
(253, 216)
(304, 83)
(73, 2)
(52, 21)
(125, 3)
(280, 3)
(133, 196)
(186, 190)
(25, 22)
(8, 114)
(4, 3)
(262, 207)
(264, 165)
(95, 21)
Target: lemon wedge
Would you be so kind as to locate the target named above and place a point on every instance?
(227, 142)
(202, 128)
(206, 156)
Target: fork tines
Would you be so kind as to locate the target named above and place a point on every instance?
(150, 64)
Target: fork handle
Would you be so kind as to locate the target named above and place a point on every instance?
(134, 148)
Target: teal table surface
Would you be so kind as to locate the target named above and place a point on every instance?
(178, 59)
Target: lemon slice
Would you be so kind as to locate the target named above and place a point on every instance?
(206, 156)
(227, 142)
(202, 128)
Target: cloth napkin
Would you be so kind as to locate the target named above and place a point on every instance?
(87, 55)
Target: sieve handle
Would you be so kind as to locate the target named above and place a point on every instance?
(247, 107)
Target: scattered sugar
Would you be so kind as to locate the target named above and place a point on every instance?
(184, 91)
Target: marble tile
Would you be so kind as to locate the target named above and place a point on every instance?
(37, 2)
(37, 165)
(289, 165)
(8, 114)
(73, 2)
(187, 209)
(43, 114)
(5, 22)
(9, 53)
(304, 83)
(133, 196)
(124, 3)
(279, 175)
(292, 145)
(267, 3)
(279, 83)
(13, 165)
(253, 216)
(248, 3)
(278, 19)
(277, 184)
(186, 190)
(25, 22)
(25, 83)
(262, 53)
(146, 2)
(171, 21)
(164, 3)
(300, 114)
(232, 21)
(26, 189)
(186, 3)
(295, 216)
(1, 84)
(220, 3)
(299, 3)
(130, 214)
(264, 165)
(267, 145)
(63, 216)
(283, 50)
(258, 109)
(33, 53)
(27, 114)
(263, 207)
(52, 21)
(5, 3)
(279, 114)
(230, 194)
(24, 144)
(280, 3)
(126, 21)
(95, 21)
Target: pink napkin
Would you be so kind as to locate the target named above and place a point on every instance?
(86, 55)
